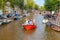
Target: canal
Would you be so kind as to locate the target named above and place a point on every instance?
(14, 31)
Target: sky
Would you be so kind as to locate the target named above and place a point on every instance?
(39, 2)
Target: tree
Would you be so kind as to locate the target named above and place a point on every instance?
(52, 5)
(36, 7)
(19, 3)
(57, 6)
(1, 3)
(41, 8)
(29, 4)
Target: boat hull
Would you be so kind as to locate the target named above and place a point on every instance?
(29, 27)
(56, 28)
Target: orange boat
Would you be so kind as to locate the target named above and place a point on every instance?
(29, 27)
(29, 24)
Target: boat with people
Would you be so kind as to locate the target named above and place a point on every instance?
(4, 19)
(29, 25)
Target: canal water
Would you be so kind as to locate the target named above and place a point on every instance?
(14, 31)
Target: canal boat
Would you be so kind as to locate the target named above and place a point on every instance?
(29, 26)
(52, 26)
(55, 27)
(7, 20)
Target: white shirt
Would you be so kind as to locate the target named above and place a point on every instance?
(27, 22)
(30, 22)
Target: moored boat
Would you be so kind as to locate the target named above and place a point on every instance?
(7, 20)
(55, 27)
(52, 26)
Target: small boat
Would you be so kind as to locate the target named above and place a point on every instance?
(7, 20)
(52, 26)
(56, 28)
(29, 27)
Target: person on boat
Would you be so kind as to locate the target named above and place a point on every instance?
(30, 21)
(9, 15)
(15, 15)
(26, 21)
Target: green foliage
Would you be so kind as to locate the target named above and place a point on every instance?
(0, 3)
(52, 5)
(57, 6)
(36, 7)
(29, 4)
(20, 3)
(41, 8)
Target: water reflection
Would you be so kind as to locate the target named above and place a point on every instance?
(29, 32)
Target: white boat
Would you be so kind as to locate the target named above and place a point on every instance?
(7, 20)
